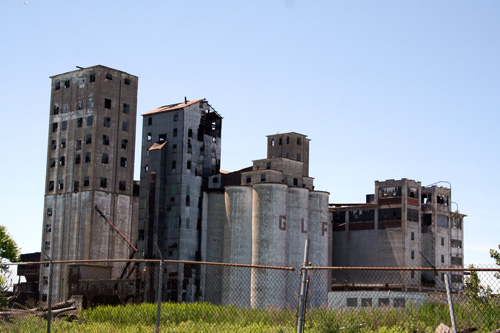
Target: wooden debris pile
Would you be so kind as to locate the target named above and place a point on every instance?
(63, 309)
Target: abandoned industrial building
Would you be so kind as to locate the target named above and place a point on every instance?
(185, 208)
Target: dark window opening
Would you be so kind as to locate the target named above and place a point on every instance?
(63, 143)
(78, 145)
(58, 85)
(150, 121)
(56, 109)
(53, 144)
(104, 182)
(188, 165)
(175, 132)
(299, 157)
(412, 215)
(48, 228)
(62, 161)
(123, 162)
(92, 77)
(249, 179)
(52, 162)
(64, 125)
(442, 259)
(272, 142)
(146, 168)
(287, 140)
(76, 186)
(268, 165)
(86, 181)
(174, 148)
(352, 302)
(383, 302)
(263, 177)
(366, 302)
(299, 141)
(399, 303)
(126, 108)
(125, 126)
(105, 140)
(49, 211)
(60, 184)
(88, 139)
(80, 105)
(122, 185)
(413, 254)
(126, 81)
(77, 158)
(109, 76)
(107, 103)
(442, 241)
(79, 122)
(54, 127)
(107, 122)
(87, 157)
(104, 159)
(51, 185)
(162, 137)
(412, 235)
(124, 143)
(188, 201)
(295, 181)
(176, 117)
(280, 141)
(66, 83)
(190, 133)
(389, 192)
(174, 164)
(90, 120)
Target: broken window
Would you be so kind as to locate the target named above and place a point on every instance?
(51, 185)
(214, 139)
(412, 192)
(78, 145)
(456, 243)
(104, 158)
(64, 125)
(109, 76)
(58, 85)
(49, 211)
(107, 103)
(249, 179)
(124, 143)
(91, 103)
(214, 125)
(90, 120)
(295, 182)
(48, 228)
(88, 139)
(60, 184)
(456, 223)
(122, 185)
(272, 142)
(105, 140)
(76, 186)
(188, 165)
(442, 221)
(53, 144)
(125, 126)
(389, 192)
(104, 182)
(412, 215)
(280, 141)
(146, 168)
(190, 133)
(54, 127)
(162, 137)
(362, 215)
(78, 158)
(150, 121)
(52, 162)
(80, 105)
(442, 199)
(63, 143)
(107, 122)
(86, 181)
(123, 162)
(79, 122)
(88, 157)
(126, 81)
(150, 137)
(389, 214)
(66, 83)
(175, 132)
(92, 77)
(47, 246)
(56, 109)
(299, 141)
(126, 108)
(61, 161)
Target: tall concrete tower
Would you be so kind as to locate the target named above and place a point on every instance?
(181, 148)
(90, 162)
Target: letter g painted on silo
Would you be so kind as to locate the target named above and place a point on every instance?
(282, 222)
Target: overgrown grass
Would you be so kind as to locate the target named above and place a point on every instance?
(205, 317)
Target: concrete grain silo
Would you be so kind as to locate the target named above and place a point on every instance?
(269, 244)
(318, 246)
(237, 245)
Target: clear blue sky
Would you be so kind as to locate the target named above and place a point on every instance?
(384, 89)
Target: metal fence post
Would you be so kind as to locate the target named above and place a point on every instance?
(303, 288)
(159, 293)
(450, 302)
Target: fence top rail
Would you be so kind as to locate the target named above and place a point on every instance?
(95, 261)
(440, 269)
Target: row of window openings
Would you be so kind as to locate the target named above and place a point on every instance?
(280, 141)
(109, 77)
(90, 121)
(122, 186)
(88, 140)
(287, 155)
(88, 158)
(80, 106)
(454, 242)
(263, 179)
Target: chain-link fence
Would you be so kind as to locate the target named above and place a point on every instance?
(176, 296)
